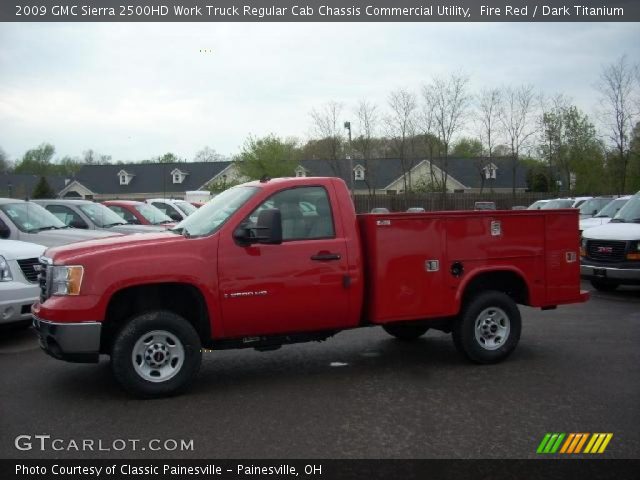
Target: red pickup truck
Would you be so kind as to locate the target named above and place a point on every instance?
(280, 261)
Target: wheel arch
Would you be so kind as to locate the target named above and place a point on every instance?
(510, 281)
(183, 299)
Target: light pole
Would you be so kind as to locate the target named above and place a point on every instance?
(347, 125)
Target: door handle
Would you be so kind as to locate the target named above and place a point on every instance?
(325, 257)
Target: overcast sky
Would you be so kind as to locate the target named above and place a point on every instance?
(135, 91)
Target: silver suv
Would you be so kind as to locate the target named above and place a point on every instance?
(29, 222)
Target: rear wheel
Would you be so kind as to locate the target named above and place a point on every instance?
(488, 328)
(604, 285)
(156, 354)
(405, 332)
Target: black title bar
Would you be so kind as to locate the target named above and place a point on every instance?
(319, 11)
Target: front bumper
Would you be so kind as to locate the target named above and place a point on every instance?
(73, 342)
(592, 270)
(16, 299)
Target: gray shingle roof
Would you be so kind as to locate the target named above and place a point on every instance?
(464, 170)
(386, 170)
(148, 177)
(22, 184)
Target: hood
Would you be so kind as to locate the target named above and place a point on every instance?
(614, 231)
(594, 222)
(127, 229)
(64, 236)
(120, 243)
(16, 250)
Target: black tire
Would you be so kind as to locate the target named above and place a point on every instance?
(484, 311)
(604, 285)
(176, 332)
(405, 332)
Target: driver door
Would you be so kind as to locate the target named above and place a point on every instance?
(296, 286)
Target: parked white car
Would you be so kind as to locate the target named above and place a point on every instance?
(18, 279)
(537, 205)
(605, 215)
(593, 206)
(177, 210)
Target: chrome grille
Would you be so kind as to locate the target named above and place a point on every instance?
(606, 250)
(29, 271)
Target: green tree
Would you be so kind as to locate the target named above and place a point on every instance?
(43, 190)
(37, 161)
(5, 166)
(269, 156)
(467, 147)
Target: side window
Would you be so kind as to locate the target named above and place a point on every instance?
(160, 206)
(67, 216)
(124, 213)
(306, 213)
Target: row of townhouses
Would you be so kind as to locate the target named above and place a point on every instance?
(172, 180)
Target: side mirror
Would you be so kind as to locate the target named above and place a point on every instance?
(175, 216)
(268, 230)
(4, 230)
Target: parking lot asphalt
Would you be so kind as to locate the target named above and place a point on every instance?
(361, 394)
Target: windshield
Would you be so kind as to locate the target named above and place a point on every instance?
(102, 216)
(630, 213)
(612, 208)
(560, 203)
(594, 205)
(210, 217)
(186, 207)
(153, 215)
(536, 205)
(31, 218)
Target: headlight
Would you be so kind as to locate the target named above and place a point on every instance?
(583, 247)
(634, 251)
(5, 271)
(66, 280)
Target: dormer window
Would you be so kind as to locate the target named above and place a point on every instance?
(358, 173)
(178, 176)
(300, 171)
(490, 171)
(125, 177)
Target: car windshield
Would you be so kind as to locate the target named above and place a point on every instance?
(153, 215)
(612, 208)
(210, 217)
(593, 205)
(559, 203)
(536, 205)
(102, 216)
(31, 218)
(186, 207)
(630, 213)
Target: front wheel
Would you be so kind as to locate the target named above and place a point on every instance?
(156, 354)
(488, 328)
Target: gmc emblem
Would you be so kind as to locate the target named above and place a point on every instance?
(605, 249)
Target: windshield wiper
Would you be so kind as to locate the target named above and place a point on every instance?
(40, 229)
(618, 220)
(107, 225)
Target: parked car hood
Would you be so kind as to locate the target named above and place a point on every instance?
(593, 222)
(127, 229)
(17, 250)
(65, 253)
(614, 231)
(64, 236)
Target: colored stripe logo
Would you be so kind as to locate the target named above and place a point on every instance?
(574, 443)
